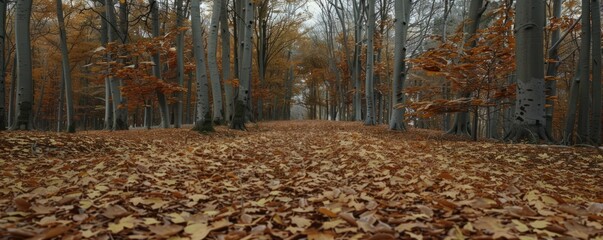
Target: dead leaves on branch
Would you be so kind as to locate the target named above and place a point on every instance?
(313, 180)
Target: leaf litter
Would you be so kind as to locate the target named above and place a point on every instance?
(294, 180)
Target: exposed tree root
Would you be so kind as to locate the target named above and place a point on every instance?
(532, 133)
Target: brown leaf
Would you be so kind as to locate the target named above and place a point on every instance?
(22, 204)
(493, 226)
(20, 232)
(115, 211)
(327, 212)
(166, 230)
(50, 233)
(382, 236)
(43, 209)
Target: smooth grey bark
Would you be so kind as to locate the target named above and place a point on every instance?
(288, 89)
(242, 98)
(25, 94)
(180, 63)
(580, 84)
(104, 38)
(212, 62)
(461, 119)
(3, 116)
(163, 105)
(584, 89)
(358, 13)
(552, 67)
(66, 69)
(262, 45)
(120, 113)
(595, 131)
(203, 122)
(370, 67)
(530, 113)
(402, 14)
(226, 72)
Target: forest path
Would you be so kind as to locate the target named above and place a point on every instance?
(288, 179)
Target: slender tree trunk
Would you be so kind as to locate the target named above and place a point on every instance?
(402, 13)
(584, 89)
(596, 82)
(120, 112)
(461, 119)
(60, 105)
(530, 104)
(551, 72)
(66, 69)
(180, 62)
(161, 99)
(25, 93)
(3, 116)
(212, 60)
(226, 72)
(104, 38)
(357, 53)
(189, 96)
(370, 61)
(243, 95)
(577, 102)
(12, 98)
(203, 122)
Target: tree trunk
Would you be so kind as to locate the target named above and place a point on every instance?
(163, 105)
(226, 73)
(551, 72)
(402, 13)
(461, 119)
(212, 60)
(595, 130)
(357, 52)
(370, 61)
(584, 89)
(25, 93)
(180, 62)
(203, 122)
(242, 99)
(3, 116)
(530, 103)
(66, 69)
(120, 112)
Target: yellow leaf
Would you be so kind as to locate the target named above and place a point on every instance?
(176, 218)
(85, 204)
(197, 231)
(150, 221)
(88, 233)
(301, 222)
(332, 224)
(519, 226)
(539, 224)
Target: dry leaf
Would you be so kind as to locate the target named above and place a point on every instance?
(166, 230)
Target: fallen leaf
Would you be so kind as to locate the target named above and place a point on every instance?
(165, 230)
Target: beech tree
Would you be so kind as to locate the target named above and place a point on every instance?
(241, 105)
(25, 97)
(163, 105)
(66, 68)
(402, 9)
(529, 121)
(212, 62)
(203, 121)
(370, 64)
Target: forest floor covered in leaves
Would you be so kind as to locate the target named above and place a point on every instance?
(294, 180)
